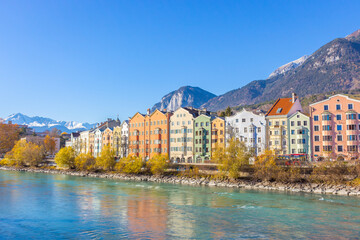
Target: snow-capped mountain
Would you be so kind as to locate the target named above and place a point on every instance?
(289, 66)
(184, 97)
(40, 124)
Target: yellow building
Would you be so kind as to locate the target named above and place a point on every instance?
(217, 133)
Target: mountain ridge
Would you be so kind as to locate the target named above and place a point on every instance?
(41, 124)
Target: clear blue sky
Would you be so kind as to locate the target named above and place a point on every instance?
(89, 60)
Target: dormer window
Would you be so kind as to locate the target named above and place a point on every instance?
(279, 110)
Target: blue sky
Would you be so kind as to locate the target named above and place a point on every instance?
(89, 60)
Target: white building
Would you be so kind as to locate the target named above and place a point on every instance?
(125, 139)
(249, 128)
(84, 141)
(97, 142)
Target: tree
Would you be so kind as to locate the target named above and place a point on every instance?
(158, 164)
(233, 158)
(49, 144)
(25, 153)
(9, 134)
(228, 112)
(265, 166)
(85, 162)
(65, 158)
(106, 160)
(222, 114)
(130, 164)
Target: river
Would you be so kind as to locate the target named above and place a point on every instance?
(44, 206)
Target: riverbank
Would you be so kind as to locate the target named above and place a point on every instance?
(245, 184)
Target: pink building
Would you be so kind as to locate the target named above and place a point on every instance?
(335, 124)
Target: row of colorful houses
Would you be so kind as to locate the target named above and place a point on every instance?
(189, 135)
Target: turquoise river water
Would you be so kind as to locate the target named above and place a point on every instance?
(41, 206)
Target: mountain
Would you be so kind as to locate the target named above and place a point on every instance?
(289, 66)
(333, 67)
(41, 124)
(184, 97)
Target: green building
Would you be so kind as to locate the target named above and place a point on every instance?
(299, 135)
(202, 139)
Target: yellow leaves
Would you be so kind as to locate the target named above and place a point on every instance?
(265, 167)
(232, 158)
(106, 160)
(65, 158)
(49, 144)
(158, 164)
(130, 164)
(25, 153)
(85, 162)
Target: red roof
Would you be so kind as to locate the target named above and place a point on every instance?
(281, 107)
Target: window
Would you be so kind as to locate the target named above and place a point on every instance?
(292, 123)
(292, 132)
(245, 129)
(352, 137)
(269, 123)
(299, 123)
(317, 148)
(350, 106)
(338, 107)
(338, 117)
(277, 123)
(352, 148)
(243, 120)
(326, 117)
(327, 138)
(292, 141)
(351, 127)
(279, 110)
(316, 138)
(327, 128)
(326, 107)
(284, 132)
(251, 119)
(259, 129)
(237, 120)
(338, 127)
(316, 118)
(305, 123)
(316, 128)
(351, 116)
(283, 123)
(327, 148)
(339, 137)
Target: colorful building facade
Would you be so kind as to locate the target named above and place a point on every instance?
(217, 133)
(202, 139)
(299, 138)
(335, 124)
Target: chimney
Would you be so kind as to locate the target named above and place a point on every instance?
(148, 111)
(293, 97)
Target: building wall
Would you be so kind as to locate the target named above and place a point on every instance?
(117, 141)
(334, 134)
(217, 133)
(299, 139)
(137, 135)
(249, 128)
(107, 137)
(124, 139)
(181, 136)
(84, 142)
(202, 139)
(277, 132)
(97, 142)
(92, 143)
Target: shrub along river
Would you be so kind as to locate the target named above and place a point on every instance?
(44, 206)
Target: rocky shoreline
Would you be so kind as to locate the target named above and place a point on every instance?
(343, 190)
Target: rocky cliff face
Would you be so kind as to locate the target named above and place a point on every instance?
(184, 97)
(333, 67)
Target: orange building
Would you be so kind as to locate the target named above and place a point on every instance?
(107, 137)
(149, 134)
(217, 133)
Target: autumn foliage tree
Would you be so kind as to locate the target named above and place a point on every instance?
(9, 134)
(84, 162)
(158, 164)
(49, 144)
(65, 158)
(25, 154)
(265, 167)
(233, 158)
(130, 164)
(106, 160)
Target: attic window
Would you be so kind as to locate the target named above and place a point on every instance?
(279, 110)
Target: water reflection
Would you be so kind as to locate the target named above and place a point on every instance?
(83, 208)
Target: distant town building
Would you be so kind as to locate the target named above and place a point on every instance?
(249, 128)
(335, 124)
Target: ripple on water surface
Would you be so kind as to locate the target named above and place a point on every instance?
(34, 205)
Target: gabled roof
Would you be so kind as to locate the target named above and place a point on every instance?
(298, 112)
(281, 107)
(336, 95)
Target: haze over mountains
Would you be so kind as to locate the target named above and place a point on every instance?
(333, 67)
(41, 124)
